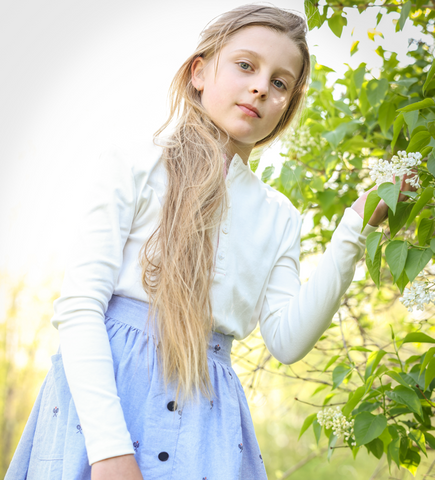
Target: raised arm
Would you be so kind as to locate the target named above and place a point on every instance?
(90, 279)
(295, 316)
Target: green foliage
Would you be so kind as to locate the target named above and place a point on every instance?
(375, 117)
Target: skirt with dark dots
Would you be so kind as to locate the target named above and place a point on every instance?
(209, 440)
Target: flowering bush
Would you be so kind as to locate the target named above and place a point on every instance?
(330, 418)
(381, 129)
(383, 171)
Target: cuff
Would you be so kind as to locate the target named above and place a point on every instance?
(352, 218)
(109, 451)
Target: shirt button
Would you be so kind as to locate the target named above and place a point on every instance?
(163, 456)
(172, 407)
(225, 229)
(221, 256)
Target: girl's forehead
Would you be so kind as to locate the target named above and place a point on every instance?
(259, 39)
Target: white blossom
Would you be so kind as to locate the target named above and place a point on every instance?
(401, 164)
(417, 295)
(301, 141)
(334, 418)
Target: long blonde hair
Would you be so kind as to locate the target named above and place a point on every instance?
(177, 260)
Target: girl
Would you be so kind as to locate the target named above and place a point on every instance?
(176, 258)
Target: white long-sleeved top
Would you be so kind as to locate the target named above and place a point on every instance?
(256, 278)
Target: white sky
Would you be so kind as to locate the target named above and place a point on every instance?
(78, 74)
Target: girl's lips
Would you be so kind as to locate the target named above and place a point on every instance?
(248, 111)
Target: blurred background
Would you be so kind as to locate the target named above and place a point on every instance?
(76, 76)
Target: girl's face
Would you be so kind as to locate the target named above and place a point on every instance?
(257, 68)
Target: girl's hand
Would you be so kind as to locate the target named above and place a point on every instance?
(381, 212)
(123, 467)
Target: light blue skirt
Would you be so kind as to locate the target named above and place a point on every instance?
(204, 441)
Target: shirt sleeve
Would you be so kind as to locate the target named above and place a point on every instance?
(294, 316)
(79, 314)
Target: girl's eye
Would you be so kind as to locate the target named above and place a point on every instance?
(283, 86)
(244, 63)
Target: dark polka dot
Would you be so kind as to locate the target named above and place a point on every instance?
(172, 406)
(163, 456)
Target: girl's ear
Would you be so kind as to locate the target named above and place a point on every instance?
(197, 70)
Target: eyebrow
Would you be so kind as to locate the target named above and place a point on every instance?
(257, 55)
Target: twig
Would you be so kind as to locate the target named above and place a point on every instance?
(430, 468)
(320, 406)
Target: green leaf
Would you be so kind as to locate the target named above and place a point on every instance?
(403, 15)
(376, 447)
(337, 22)
(427, 358)
(267, 173)
(396, 253)
(397, 220)
(353, 400)
(354, 47)
(411, 461)
(416, 261)
(374, 267)
(372, 201)
(431, 164)
(430, 374)
(312, 13)
(394, 449)
(429, 77)
(397, 126)
(386, 115)
(376, 91)
(418, 141)
(358, 75)
(355, 144)
(339, 374)
(360, 349)
(417, 337)
(402, 281)
(363, 100)
(395, 376)
(343, 107)
(307, 423)
(426, 150)
(373, 361)
(426, 103)
(406, 396)
(425, 197)
(333, 359)
(317, 429)
(419, 439)
(368, 427)
(411, 119)
(331, 444)
(389, 192)
(430, 439)
(372, 243)
(334, 137)
(425, 228)
(372, 32)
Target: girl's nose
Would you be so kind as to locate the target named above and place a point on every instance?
(260, 87)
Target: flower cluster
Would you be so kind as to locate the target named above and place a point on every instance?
(417, 295)
(333, 418)
(301, 141)
(400, 164)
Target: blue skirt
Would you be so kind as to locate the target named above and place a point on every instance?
(204, 441)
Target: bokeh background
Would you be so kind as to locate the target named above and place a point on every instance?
(76, 75)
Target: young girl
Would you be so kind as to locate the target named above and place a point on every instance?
(174, 259)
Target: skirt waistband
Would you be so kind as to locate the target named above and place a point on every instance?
(134, 312)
